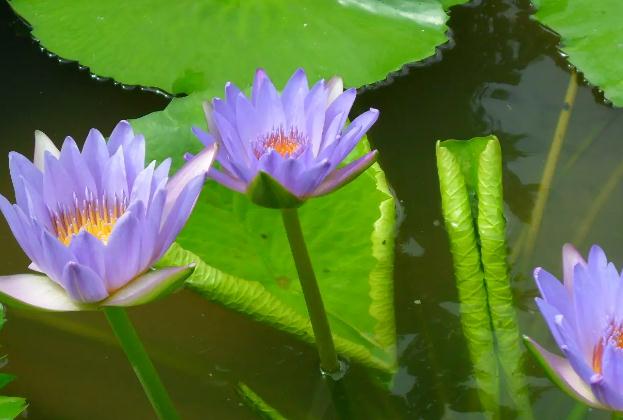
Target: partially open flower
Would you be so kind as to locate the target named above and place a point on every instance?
(93, 222)
(585, 317)
(283, 148)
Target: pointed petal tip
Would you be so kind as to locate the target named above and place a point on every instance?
(43, 144)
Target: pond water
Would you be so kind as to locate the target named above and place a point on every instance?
(501, 74)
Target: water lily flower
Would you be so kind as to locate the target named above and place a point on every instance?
(94, 222)
(283, 148)
(585, 317)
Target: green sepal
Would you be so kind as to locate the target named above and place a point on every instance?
(266, 191)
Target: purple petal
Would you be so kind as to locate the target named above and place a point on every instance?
(122, 251)
(270, 108)
(590, 314)
(89, 251)
(228, 181)
(151, 230)
(205, 138)
(570, 257)
(553, 292)
(198, 166)
(19, 166)
(31, 202)
(305, 180)
(121, 135)
(37, 292)
(315, 106)
(134, 158)
(142, 187)
(43, 146)
(231, 95)
(58, 186)
(83, 284)
(258, 81)
(562, 374)
(550, 314)
(606, 393)
(55, 257)
(341, 107)
(23, 233)
(178, 215)
(96, 155)
(344, 175)
(150, 286)
(76, 167)
(347, 142)
(612, 368)
(293, 96)
(115, 181)
(162, 171)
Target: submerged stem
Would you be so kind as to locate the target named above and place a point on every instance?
(550, 165)
(311, 292)
(142, 365)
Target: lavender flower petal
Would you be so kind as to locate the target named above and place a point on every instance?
(344, 175)
(96, 156)
(562, 374)
(123, 251)
(150, 286)
(38, 292)
(83, 284)
(198, 166)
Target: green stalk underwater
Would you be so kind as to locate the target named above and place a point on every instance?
(142, 365)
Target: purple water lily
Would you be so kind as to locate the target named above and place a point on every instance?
(282, 149)
(585, 317)
(93, 222)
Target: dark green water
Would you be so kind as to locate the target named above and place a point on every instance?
(501, 74)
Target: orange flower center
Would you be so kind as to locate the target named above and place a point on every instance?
(286, 143)
(92, 215)
(615, 337)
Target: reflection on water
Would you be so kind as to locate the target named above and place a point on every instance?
(502, 75)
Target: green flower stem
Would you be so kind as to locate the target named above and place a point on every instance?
(142, 365)
(313, 299)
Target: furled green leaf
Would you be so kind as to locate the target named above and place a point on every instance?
(186, 46)
(492, 233)
(261, 407)
(474, 310)
(470, 174)
(592, 37)
(10, 407)
(244, 261)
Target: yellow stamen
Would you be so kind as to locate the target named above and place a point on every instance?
(282, 142)
(93, 216)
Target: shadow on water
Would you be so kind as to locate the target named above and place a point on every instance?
(505, 76)
(502, 75)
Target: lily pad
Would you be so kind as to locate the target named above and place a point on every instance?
(187, 46)
(592, 36)
(244, 261)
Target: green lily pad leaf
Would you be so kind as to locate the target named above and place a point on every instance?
(243, 257)
(188, 46)
(592, 36)
(10, 407)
